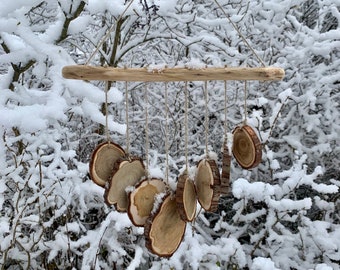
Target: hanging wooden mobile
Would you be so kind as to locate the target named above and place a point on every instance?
(105, 154)
(141, 199)
(164, 219)
(247, 148)
(127, 171)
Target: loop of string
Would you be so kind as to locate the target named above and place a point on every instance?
(146, 130)
(245, 103)
(110, 30)
(240, 34)
(127, 118)
(107, 113)
(206, 118)
(166, 135)
(186, 135)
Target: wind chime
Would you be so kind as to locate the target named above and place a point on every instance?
(126, 179)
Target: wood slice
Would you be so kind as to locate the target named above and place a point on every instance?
(102, 160)
(247, 148)
(141, 200)
(126, 172)
(225, 175)
(164, 230)
(207, 182)
(186, 197)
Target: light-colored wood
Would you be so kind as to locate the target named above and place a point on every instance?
(80, 72)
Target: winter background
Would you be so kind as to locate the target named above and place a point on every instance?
(284, 214)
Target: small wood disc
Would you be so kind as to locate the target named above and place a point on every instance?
(207, 182)
(164, 230)
(247, 148)
(102, 160)
(186, 197)
(141, 200)
(126, 172)
(225, 175)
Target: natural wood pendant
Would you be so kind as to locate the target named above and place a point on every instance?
(247, 148)
(126, 172)
(142, 198)
(225, 175)
(207, 182)
(164, 230)
(102, 160)
(186, 197)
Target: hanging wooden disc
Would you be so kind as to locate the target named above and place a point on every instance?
(164, 229)
(186, 197)
(126, 172)
(141, 200)
(207, 182)
(247, 148)
(225, 175)
(102, 160)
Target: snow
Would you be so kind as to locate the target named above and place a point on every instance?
(281, 215)
(260, 263)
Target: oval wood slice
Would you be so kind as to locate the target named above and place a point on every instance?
(225, 175)
(102, 160)
(164, 229)
(186, 197)
(207, 182)
(126, 172)
(247, 148)
(141, 200)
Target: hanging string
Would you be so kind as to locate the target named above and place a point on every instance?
(166, 135)
(107, 113)
(240, 34)
(127, 118)
(100, 44)
(186, 135)
(245, 103)
(206, 118)
(146, 130)
(225, 111)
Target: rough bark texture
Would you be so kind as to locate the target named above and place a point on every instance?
(225, 175)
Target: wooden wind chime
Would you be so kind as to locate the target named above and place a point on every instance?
(116, 170)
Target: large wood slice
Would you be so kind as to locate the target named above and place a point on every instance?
(142, 198)
(186, 198)
(126, 172)
(225, 175)
(207, 182)
(247, 148)
(164, 229)
(102, 160)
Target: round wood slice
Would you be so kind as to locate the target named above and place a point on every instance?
(102, 160)
(186, 198)
(126, 172)
(164, 229)
(225, 175)
(141, 200)
(207, 182)
(247, 148)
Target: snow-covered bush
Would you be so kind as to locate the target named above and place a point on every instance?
(282, 215)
